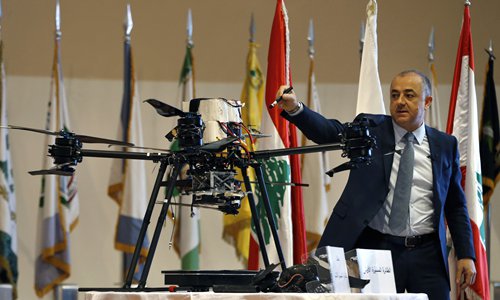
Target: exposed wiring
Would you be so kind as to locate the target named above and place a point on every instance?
(291, 279)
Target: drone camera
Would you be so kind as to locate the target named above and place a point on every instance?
(217, 188)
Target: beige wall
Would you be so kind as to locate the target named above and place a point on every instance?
(92, 60)
(92, 36)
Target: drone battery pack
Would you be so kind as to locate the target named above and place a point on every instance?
(215, 111)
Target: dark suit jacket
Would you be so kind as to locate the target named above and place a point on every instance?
(367, 186)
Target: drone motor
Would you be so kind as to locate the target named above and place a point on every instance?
(66, 151)
(190, 130)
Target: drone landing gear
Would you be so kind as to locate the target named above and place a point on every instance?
(170, 185)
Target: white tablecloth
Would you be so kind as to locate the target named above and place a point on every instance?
(255, 296)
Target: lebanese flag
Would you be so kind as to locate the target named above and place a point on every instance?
(463, 124)
(286, 201)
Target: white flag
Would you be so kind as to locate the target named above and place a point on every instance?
(314, 166)
(370, 99)
(8, 227)
(58, 203)
(127, 183)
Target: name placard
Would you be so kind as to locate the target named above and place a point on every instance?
(375, 265)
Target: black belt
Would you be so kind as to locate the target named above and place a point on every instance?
(411, 241)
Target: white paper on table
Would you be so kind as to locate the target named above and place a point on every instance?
(376, 265)
(338, 270)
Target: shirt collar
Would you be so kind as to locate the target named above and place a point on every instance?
(399, 132)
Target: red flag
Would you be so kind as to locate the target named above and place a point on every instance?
(284, 135)
(463, 124)
(278, 73)
(299, 228)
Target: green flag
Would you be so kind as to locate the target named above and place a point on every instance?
(187, 233)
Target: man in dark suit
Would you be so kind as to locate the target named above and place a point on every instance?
(369, 210)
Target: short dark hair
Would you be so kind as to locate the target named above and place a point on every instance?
(426, 83)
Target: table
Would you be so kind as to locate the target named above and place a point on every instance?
(245, 296)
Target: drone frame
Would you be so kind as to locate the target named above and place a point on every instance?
(357, 148)
(177, 160)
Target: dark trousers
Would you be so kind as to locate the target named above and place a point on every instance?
(418, 269)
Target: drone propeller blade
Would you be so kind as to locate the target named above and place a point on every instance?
(257, 135)
(165, 110)
(31, 129)
(82, 138)
(98, 140)
(55, 171)
(147, 148)
(219, 145)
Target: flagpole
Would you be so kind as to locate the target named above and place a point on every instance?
(430, 46)
(58, 70)
(487, 212)
(252, 29)
(128, 24)
(189, 29)
(361, 40)
(58, 20)
(310, 39)
(1, 17)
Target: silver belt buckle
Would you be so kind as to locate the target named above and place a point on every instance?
(410, 241)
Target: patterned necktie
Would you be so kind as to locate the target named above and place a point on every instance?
(400, 209)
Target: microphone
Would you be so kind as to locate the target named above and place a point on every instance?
(286, 91)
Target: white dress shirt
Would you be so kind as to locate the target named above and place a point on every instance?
(421, 207)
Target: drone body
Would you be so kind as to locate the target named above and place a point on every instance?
(212, 146)
(211, 149)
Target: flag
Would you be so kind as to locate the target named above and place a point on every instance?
(433, 116)
(370, 99)
(187, 219)
(489, 139)
(313, 173)
(463, 124)
(8, 227)
(237, 227)
(58, 203)
(278, 169)
(127, 181)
